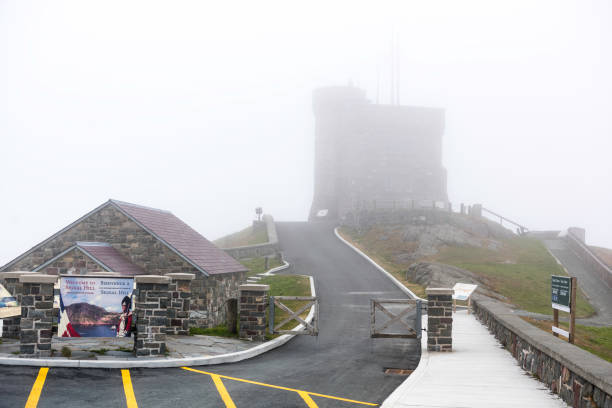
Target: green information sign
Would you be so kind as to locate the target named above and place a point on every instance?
(561, 289)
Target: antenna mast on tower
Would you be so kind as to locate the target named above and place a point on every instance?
(395, 69)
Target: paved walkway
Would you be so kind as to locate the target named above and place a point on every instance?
(478, 373)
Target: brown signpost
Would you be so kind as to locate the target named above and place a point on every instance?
(563, 295)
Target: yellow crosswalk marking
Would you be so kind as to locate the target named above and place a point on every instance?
(223, 391)
(279, 387)
(130, 398)
(307, 399)
(32, 401)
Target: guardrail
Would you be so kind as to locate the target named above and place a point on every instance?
(521, 229)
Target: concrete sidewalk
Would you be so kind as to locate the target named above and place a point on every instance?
(478, 373)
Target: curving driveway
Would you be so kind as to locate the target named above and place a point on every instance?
(341, 362)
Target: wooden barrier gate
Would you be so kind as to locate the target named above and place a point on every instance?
(311, 329)
(412, 331)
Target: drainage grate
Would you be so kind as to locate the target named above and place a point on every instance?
(398, 371)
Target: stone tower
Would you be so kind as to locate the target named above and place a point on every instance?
(365, 153)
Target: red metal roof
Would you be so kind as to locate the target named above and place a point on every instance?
(110, 257)
(183, 239)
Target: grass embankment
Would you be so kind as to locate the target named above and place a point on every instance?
(520, 270)
(596, 340)
(281, 285)
(258, 265)
(248, 236)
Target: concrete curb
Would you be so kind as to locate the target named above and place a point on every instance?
(397, 283)
(168, 362)
(277, 269)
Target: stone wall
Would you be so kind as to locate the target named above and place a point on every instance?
(576, 243)
(12, 320)
(179, 303)
(209, 298)
(478, 227)
(255, 251)
(73, 261)
(10, 328)
(580, 378)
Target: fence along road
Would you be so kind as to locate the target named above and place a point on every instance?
(342, 362)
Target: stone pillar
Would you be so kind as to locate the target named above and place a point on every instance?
(10, 280)
(232, 315)
(252, 309)
(439, 319)
(11, 317)
(180, 302)
(151, 304)
(37, 315)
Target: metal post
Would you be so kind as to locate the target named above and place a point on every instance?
(572, 328)
(417, 324)
(271, 315)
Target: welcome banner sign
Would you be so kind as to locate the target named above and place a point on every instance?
(95, 306)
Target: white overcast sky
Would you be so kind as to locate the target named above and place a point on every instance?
(204, 108)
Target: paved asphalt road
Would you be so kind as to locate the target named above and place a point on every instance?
(342, 361)
(588, 280)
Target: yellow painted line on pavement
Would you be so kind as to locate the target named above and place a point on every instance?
(280, 388)
(32, 401)
(307, 399)
(223, 391)
(130, 398)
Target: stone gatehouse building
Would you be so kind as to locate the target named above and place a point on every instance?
(132, 239)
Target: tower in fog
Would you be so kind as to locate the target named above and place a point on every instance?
(366, 153)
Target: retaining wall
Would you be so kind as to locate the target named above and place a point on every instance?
(580, 378)
(584, 253)
(254, 251)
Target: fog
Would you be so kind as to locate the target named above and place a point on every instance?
(204, 108)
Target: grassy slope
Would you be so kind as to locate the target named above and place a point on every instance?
(520, 271)
(242, 238)
(597, 340)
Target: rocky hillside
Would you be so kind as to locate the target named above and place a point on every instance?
(86, 314)
(439, 249)
(416, 235)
